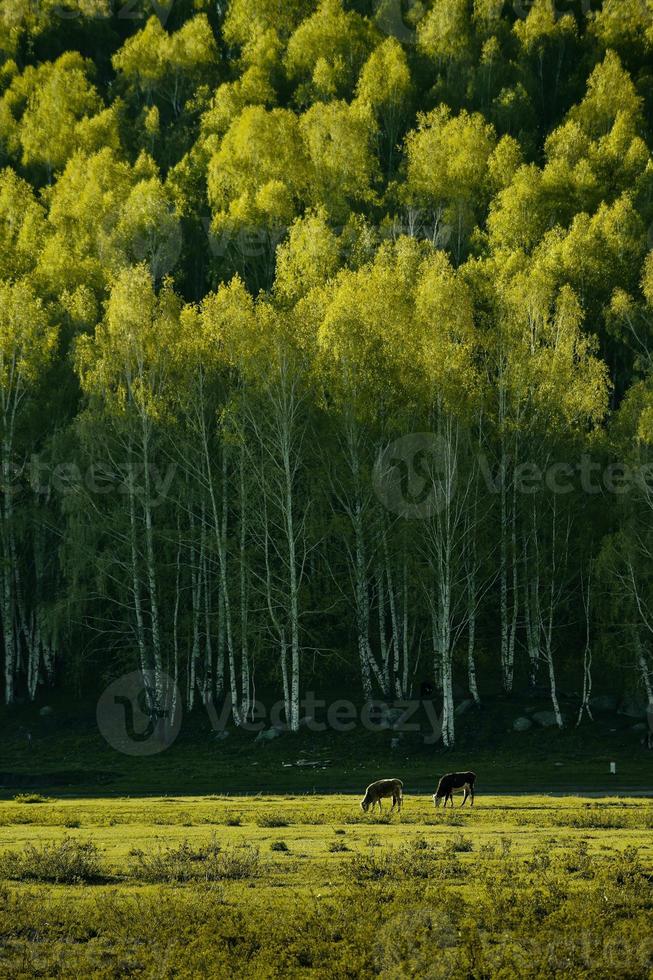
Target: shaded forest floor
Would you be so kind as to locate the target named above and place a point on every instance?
(67, 755)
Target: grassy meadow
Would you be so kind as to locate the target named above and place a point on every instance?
(267, 886)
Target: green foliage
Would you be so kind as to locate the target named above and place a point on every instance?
(168, 67)
(327, 51)
(49, 112)
(245, 248)
(69, 862)
(209, 862)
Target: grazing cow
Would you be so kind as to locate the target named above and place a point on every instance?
(452, 781)
(383, 789)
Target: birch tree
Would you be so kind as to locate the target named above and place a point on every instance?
(27, 344)
(125, 371)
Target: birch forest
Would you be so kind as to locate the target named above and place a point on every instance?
(326, 349)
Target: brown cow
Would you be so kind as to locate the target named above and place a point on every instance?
(382, 789)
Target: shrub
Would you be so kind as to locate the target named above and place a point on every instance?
(416, 860)
(592, 820)
(458, 845)
(68, 861)
(337, 847)
(279, 845)
(272, 822)
(205, 863)
(30, 798)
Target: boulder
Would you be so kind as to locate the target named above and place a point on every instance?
(603, 702)
(522, 724)
(464, 706)
(221, 736)
(267, 735)
(546, 719)
(46, 711)
(641, 726)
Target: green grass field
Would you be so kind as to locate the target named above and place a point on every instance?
(309, 886)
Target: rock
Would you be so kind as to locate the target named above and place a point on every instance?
(546, 719)
(464, 706)
(522, 724)
(632, 707)
(395, 743)
(603, 702)
(268, 735)
(221, 736)
(641, 726)
(46, 711)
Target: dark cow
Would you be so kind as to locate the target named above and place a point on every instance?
(452, 781)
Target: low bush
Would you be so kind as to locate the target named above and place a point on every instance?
(459, 844)
(67, 862)
(418, 859)
(272, 822)
(209, 862)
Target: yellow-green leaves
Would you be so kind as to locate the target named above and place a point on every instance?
(27, 343)
(610, 93)
(308, 259)
(259, 175)
(385, 85)
(327, 50)
(448, 343)
(166, 66)
(343, 165)
(448, 168)
(130, 360)
(445, 32)
(23, 228)
(45, 113)
(246, 19)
